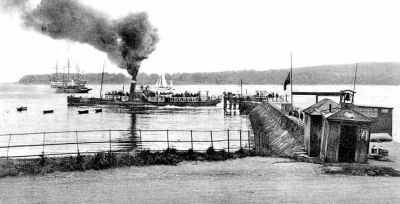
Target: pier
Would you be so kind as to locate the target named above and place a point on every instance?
(245, 103)
(329, 131)
(316, 94)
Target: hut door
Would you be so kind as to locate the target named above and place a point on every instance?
(347, 145)
(315, 135)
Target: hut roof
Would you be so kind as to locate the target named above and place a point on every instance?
(348, 115)
(321, 106)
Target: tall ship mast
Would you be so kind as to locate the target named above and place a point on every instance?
(69, 84)
(55, 81)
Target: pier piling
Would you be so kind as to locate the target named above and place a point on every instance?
(225, 102)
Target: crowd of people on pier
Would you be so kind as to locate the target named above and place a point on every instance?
(259, 96)
(297, 114)
(186, 94)
(266, 94)
(117, 93)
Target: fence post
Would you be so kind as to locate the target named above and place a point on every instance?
(77, 142)
(240, 138)
(109, 136)
(212, 143)
(228, 140)
(248, 139)
(191, 138)
(167, 139)
(8, 147)
(140, 139)
(44, 140)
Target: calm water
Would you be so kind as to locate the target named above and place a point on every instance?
(41, 97)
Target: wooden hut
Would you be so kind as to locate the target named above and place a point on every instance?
(337, 133)
(345, 136)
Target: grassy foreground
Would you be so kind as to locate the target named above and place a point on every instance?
(105, 160)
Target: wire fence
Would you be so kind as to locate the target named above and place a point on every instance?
(59, 143)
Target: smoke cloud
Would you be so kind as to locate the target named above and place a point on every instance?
(127, 41)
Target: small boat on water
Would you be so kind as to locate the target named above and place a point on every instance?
(83, 112)
(98, 110)
(22, 108)
(48, 111)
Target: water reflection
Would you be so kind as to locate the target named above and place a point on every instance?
(129, 140)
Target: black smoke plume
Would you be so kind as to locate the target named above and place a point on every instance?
(127, 41)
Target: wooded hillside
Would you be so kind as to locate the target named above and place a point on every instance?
(368, 73)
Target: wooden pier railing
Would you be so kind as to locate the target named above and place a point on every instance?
(59, 143)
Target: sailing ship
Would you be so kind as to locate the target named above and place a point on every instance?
(68, 84)
(161, 86)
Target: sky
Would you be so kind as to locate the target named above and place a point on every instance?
(220, 35)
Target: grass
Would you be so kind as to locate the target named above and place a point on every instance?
(105, 160)
(171, 156)
(356, 169)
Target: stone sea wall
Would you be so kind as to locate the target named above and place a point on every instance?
(247, 106)
(275, 131)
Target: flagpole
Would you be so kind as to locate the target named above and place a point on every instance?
(241, 88)
(355, 79)
(291, 80)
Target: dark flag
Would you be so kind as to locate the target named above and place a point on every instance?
(287, 81)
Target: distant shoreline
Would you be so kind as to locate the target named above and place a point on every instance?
(367, 74)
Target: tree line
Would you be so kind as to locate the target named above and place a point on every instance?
(368, 73)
